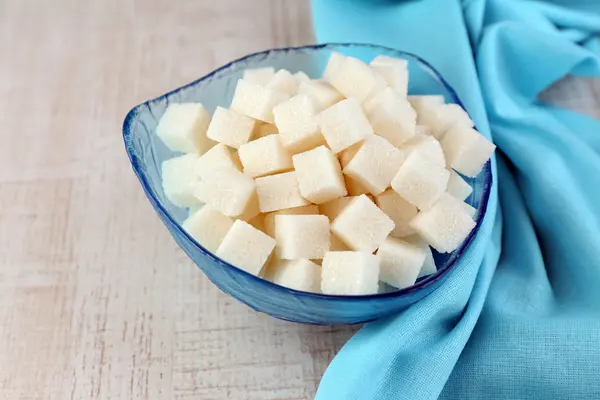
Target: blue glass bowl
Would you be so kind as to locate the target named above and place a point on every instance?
(146, 153)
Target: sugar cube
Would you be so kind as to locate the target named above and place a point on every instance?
(297, 124)
(252, 209)
(230, 128)
(183, 128)
(301, 77)
(424, 102)
(260, 76)
(399, 210)
(442, 118)
(302, 236)
(428, 146)
(391, 116)
(256, 101)
(227, 190)
(345, 156)
(319, 175)
(351, 77)
(302, 274)
(208, 227)
(445, 225)
(179, 180)
(457, 187)
(332, 208)
(333, 66)
(321, 92)
(283, 81)
(218, 156)
(344, 124)
(400, 262)
(303, 210)
(350, 273)
(276, 192)
(265, 156)
(394, 71)
(428, 267)
(466, 150)
(246, 247)
(375, 164)
(263, 129)
(362, 225)
(422, 130)
(420, 181)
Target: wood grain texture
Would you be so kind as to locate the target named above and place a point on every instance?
(96, 299)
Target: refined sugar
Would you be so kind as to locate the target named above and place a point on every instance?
(394, 71)
(336, 244)
(227, 190)
(319, 175)
(332, 208)
(344, 124)
(457, 186)
(260, 76)
(466, 150)
(442, 118)
(256, 101)
(297, 124)
(354, 187)
(351, 77)
(400, 262)
(263, 130)
(265, 156)
(422, 103)
(399, 210)
(183, 128)
(208, 227)
(420, 181)
(230, 128)
(179, 180)
(302, 274)
(469, 209)
(345, 156)
(277, 192)
(252, 209)
(362, 225)
(428, 146)
(391, 116)
(375, 164)
(283, 81)
(350, 273)
(303, 210)
(302, 236)
(218, 156)
(246, 247)
(321, 92)
(422, 130)
(445, 225)
(428, 267)
(301, 77)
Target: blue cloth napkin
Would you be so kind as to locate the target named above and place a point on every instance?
(519, 318)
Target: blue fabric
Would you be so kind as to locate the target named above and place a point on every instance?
(519, 318)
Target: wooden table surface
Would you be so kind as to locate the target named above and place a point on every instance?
(96, 300)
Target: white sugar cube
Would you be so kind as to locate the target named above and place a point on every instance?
(256, 101)
(394, 71)
(246, 247)
(423, 102)
(319, 175)
(466, 150)
(262, 130)
(301, 77)
(283, 81)
(400, 262)
(297, 124)
(375, 164)
(350, 273)
(227, 190)
(457, 186)
(332, 208)
(183, 128)
(469, 209)
(399, 210)
(302, 236)
(303, 210)
(391, 116)
(344, 124)
(260, 76)
(208, 227)
(218, 156)
(321, 92)
(230, 128)
(422, 130)
(362, 225)
(301, 274)
(265, 156)
(428, 146)
(345, 156)
(354, 187)
(252, 209)
(351, 77)
(179, 180)
(428, 267)
(445, 225)
(442, 118)
(277, 192)
(420, 181)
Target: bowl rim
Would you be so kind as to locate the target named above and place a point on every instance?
(158, 207)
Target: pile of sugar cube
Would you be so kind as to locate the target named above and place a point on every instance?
(328, 185)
